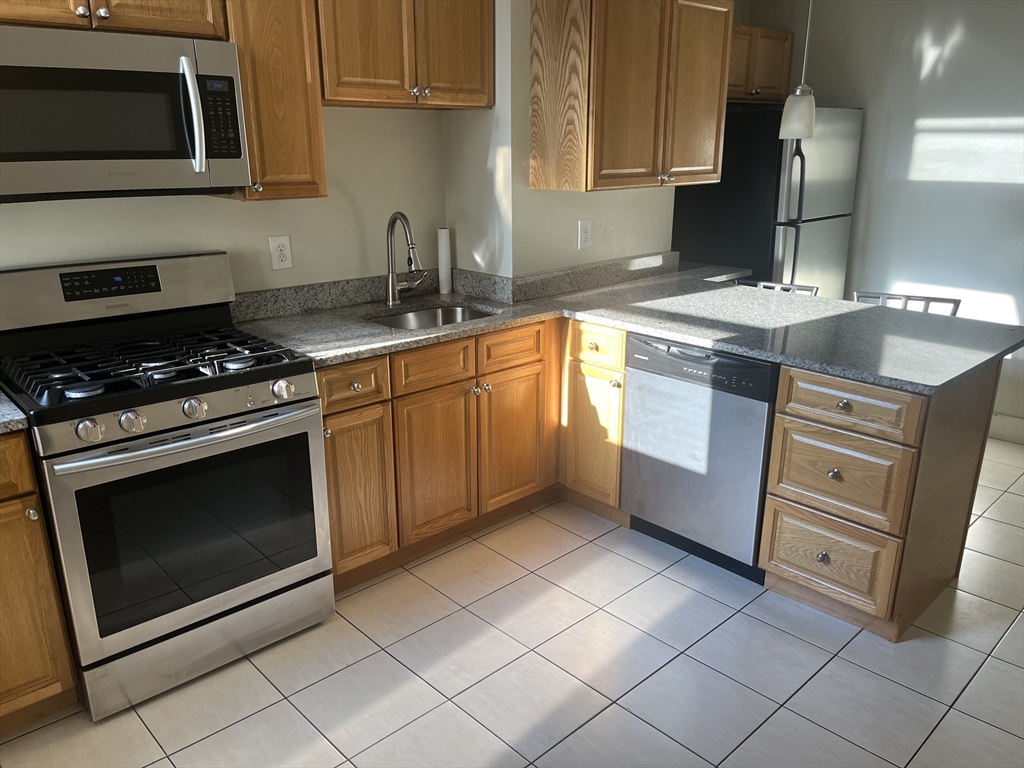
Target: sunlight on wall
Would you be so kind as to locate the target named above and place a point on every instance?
(977, 305)
(935, 55)
(972, 149)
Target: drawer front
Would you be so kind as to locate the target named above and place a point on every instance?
(353, 384)
(859, 478)
(433, 366)
(507, 349)
(597, 345)
(846, 562)
(875, 411)
(16, 474)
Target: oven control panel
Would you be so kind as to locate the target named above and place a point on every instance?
(220, 116)
(107, 283)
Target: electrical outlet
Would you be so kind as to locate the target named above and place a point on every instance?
(281, 252)
(583, 240)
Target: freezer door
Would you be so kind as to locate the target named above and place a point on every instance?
(830, 166)
(821, 258)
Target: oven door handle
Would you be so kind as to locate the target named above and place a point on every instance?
(198, 128)
(167, 449)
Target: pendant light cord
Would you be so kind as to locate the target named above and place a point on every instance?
(807, 41)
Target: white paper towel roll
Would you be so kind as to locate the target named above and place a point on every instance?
(444, 260)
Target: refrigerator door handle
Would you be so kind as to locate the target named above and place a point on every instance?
(798, 152)
(782, 250)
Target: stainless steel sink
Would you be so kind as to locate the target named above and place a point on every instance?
(430, 318)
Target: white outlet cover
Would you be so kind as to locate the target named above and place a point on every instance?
(281, 252)
(583, 234)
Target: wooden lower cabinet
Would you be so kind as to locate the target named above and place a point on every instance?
(361, 485)
(515, 449)
(436, 457)
(592, 414)
(35, 661)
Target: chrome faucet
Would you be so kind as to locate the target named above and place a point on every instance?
(415, 274)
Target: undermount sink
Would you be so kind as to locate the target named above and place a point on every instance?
(430, 318)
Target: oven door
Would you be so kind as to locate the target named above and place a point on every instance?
(163, 534)
(93, 113)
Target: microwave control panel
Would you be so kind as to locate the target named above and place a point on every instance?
(220, 116)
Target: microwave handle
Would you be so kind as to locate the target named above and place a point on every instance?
(199, 130)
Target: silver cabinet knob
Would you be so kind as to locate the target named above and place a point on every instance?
(487, 387)
(82, 12)
(822, 557)
(355, 386)
(32, 513)
(475, 390)
(282, 389)
(835, 474)
(103, 13)
(592, 346)
(90, 430)
(327, 432)
(757, 91)
(257, 187)
(661, 177)
(415, 90)
(669, 177)
(426, 91)
(616, 384)
(132, 421)
(843, 404)
(194, 408)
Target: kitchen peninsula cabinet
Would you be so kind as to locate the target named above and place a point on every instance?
(627, 94)
(188, 18)
(36, 675)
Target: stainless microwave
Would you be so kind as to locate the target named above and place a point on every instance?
(95, 114)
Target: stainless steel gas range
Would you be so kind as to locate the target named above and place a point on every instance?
(183, 466)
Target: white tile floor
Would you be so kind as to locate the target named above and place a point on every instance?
(557, 639)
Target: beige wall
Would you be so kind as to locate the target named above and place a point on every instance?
(378, 161)
(940, 193)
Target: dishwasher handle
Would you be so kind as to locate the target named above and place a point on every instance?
(694, 354)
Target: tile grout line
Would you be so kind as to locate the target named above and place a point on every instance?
(152, 735)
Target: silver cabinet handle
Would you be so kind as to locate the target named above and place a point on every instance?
(426, 91)
(475, 390)
(592, 346)
(82, 12)
(327, 432)
(822, 557)
(616, 384)
(355, 386)
(198, 131)
(257, 187)
(103, 13)
(843, 404)
(415, 90)
(835, 474)
(487, 387)
(32, 514)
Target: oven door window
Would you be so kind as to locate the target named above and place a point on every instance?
(93, 114)
(160, 541)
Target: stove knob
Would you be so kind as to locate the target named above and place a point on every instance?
(194, 408)
(90, 430)
(283, 389)
(132, 421)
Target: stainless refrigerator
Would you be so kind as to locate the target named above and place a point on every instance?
(783, 208)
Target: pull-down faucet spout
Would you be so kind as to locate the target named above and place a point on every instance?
(415, 274)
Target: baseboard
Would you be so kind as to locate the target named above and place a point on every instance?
(1009, 428)
(593, 505)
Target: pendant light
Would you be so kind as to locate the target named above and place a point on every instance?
(798, 114)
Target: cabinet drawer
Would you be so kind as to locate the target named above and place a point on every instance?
(507, 349)
(16, 474)
(847, 562)
(858, 478)
(351, 384)
(597, 345)
(870, 410)
(433, 366)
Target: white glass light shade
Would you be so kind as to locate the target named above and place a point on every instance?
(798, 116)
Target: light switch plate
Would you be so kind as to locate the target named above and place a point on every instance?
(583, 240)
(281, 252)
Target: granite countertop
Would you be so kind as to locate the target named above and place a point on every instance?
(11, 417)
(906, 350)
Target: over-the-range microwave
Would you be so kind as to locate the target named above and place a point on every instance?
(97, 114)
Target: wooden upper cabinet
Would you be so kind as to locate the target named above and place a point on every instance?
(368, 51)
(760, 63)
(44, 13)
(191, 18)
(455, 52)
(697, 83)
(280, 73)
(627, 83)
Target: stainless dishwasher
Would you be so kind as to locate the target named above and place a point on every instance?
(695, 448)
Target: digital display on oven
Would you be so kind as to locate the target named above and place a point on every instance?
(106, 283)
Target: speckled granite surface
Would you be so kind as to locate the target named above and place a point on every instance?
(11, 417)
(541, 285)
(892, 347)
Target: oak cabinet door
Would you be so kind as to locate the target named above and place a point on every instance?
(361, 485)
(771, 55)
(739, 60)
(45, 13)
(191, 18)
(697, 89)
(593, 433)
(368, 51)
(280, 73)
(436, 452)
(455, 52)
(34, 657)
(515, 447)
(627, 93)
